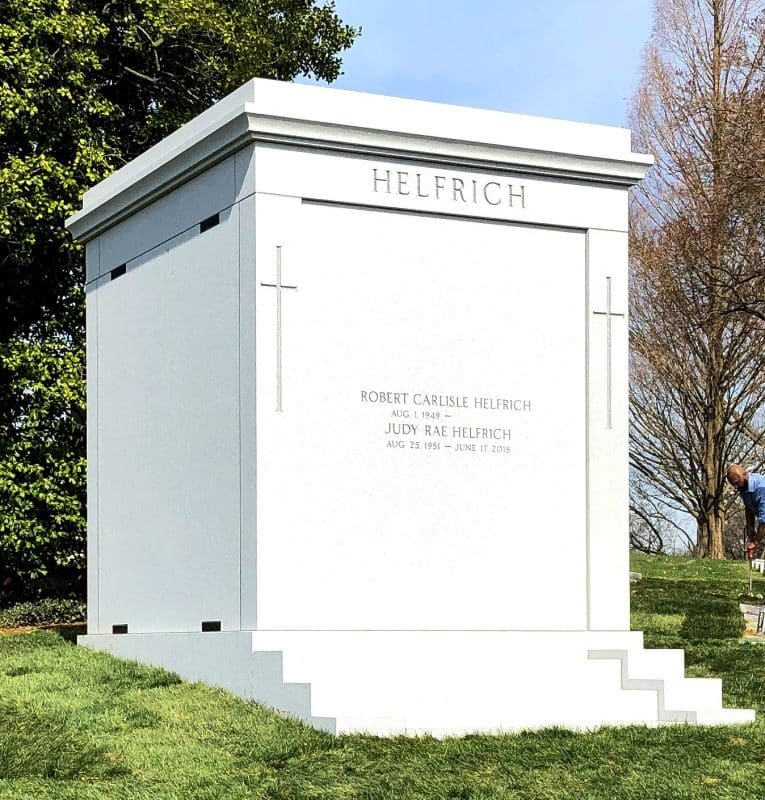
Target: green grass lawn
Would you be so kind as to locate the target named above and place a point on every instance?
(79, 724)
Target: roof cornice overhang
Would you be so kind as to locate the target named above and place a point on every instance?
(114, 200)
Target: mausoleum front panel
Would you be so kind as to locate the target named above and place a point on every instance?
(421, 408)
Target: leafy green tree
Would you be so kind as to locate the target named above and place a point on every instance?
(42, 464)
(85, 86)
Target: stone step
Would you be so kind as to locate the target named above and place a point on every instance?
(269, 687)
(679, 699)
(725, 716)
(651, 663)
(695, 694)
(328, 724)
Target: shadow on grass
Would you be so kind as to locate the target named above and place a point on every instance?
(709, 610)
(68, 631)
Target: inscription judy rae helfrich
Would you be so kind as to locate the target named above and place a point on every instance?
(430, 421)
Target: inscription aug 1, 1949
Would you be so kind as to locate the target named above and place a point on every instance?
(429, 421)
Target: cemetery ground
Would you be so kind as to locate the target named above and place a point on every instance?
(79, 724)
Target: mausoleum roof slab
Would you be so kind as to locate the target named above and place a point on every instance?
(320, 118)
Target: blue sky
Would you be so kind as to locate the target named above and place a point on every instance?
(570, 59)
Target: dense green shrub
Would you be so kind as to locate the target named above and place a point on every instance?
(42, 612)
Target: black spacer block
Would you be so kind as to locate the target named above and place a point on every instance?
(208, 223)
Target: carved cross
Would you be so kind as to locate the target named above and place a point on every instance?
(278, 286)
(608, 313)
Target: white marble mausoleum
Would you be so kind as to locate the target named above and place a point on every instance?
(357, 416)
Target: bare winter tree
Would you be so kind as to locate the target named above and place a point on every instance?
(744, 285)
(653, 521)
(698, 366)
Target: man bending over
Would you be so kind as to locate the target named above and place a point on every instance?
(751, 487)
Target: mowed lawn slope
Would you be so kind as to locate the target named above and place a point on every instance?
(78, 724)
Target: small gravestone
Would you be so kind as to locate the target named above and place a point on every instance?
(356, 366)
(754, 618)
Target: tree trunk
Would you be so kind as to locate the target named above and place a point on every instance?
(710, 535)
(714, 523)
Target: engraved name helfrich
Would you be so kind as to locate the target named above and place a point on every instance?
(427, 184)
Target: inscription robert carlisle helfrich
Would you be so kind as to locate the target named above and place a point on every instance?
(434, 422)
